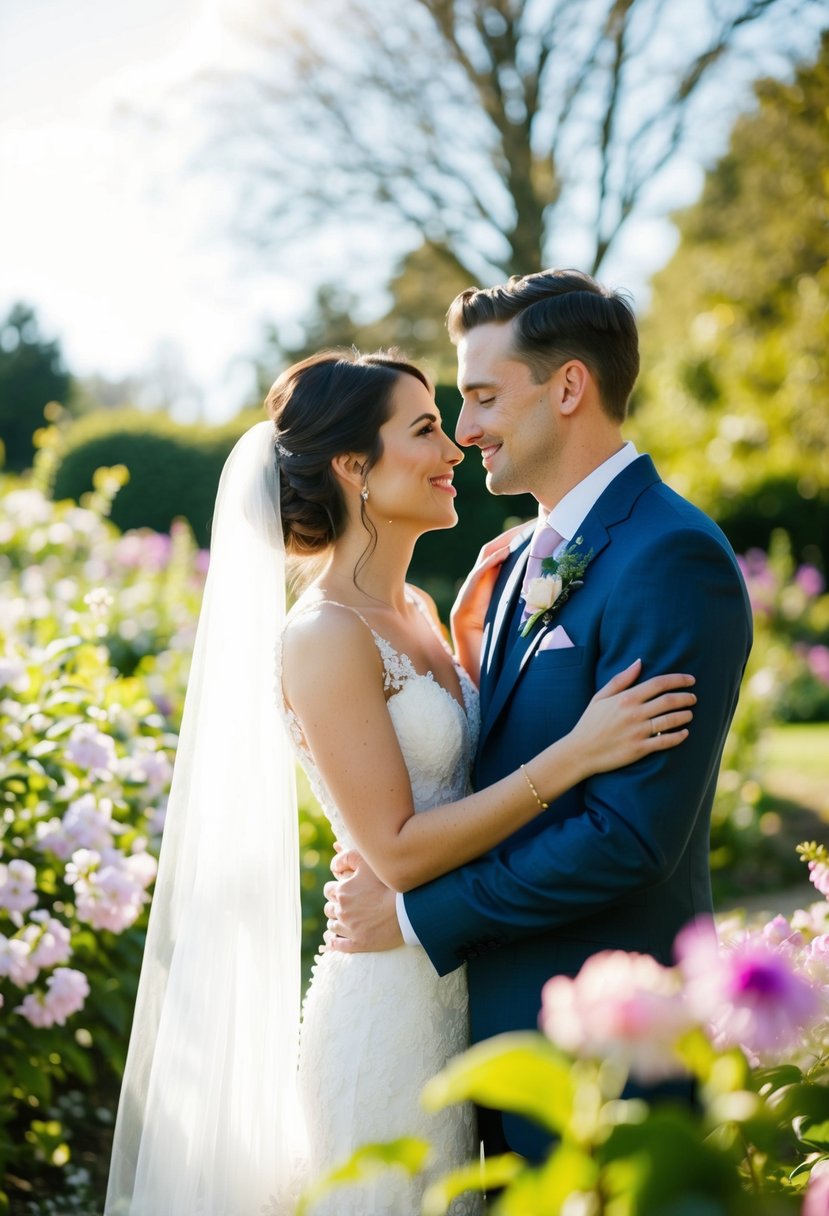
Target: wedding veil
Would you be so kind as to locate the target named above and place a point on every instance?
(207, 1111)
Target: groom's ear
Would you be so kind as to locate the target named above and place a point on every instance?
(349, 468)
(572, 381)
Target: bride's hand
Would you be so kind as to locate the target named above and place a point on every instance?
(626, 721)
(470, 606)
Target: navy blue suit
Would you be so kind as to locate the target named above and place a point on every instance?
(621, 861)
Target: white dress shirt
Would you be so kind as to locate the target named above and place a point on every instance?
(566, 518)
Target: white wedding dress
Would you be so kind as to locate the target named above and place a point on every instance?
(376, 1027)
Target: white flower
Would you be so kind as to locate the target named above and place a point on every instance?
(17, 882)
(90, 749)
(98, 601)
(13, 673)
(543, 592)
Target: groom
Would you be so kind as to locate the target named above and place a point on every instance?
(547, 363)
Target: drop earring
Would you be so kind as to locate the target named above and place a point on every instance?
(364, 493)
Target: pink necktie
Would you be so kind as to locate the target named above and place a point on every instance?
(544, 543)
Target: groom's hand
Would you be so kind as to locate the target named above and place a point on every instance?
(361, 910)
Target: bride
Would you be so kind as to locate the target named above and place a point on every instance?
(225, 1108)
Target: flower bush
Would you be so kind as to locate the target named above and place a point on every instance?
(743, 1014)
(96, 630)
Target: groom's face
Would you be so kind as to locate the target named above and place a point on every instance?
(505, 413)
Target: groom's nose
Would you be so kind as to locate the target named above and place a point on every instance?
(467, 429)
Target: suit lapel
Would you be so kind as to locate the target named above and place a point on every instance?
(614, 506)
(496, 628)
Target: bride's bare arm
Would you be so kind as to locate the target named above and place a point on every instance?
(333, 680)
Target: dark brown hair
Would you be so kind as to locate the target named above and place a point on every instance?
(331, 403)
(560, 315)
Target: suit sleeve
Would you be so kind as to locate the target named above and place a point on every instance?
(681, 606)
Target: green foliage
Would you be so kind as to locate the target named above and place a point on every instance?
(173, 468)
(733, 396)
(31, 376)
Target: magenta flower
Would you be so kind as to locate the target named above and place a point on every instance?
(749, 994)
(810, 580)
(621, 1007)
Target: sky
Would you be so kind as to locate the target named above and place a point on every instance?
(111, 228)
(124, 257)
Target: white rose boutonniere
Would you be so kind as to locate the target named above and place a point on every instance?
(560, 577)
(543, 592)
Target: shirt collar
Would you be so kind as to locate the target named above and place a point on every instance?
(570, 513)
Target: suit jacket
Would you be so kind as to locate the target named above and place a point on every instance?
(621, 861)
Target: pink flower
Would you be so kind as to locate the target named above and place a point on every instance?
(50, 940)
(91, 750)
(815, 960)
(810, 580)
(623, 1007)
(17, 881)
(816, 1199)
(818, 659)
(819, 876)
(749, 994)
(16, 961)
(147, 766)
(109, 888)
(779, 934)
(35, 1012)
(66, 992)
(85, 825)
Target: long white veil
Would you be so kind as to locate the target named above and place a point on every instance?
(207, 1116)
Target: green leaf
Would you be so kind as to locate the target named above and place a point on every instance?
(519, 1072)
(366, 1163)
(803, 1099)
(806, 1167)
(477, 1176)
(812, 1133)
(567, 1173)
(767, 1080)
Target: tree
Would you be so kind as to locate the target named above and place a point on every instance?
(501, 131)
(733, 397)
(32, 375)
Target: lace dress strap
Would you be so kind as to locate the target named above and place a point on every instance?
(397, 667)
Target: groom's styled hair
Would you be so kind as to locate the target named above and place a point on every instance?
(560, 315)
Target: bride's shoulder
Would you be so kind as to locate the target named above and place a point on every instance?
(317, 629)
(327, 652)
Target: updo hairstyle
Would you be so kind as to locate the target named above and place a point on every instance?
(333, 402)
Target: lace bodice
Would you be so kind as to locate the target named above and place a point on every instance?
(437, 735)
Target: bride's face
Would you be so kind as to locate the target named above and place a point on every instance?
(412, 480)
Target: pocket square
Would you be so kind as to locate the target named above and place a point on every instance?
(556, 639)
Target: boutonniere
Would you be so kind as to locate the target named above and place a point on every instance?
(559, 578)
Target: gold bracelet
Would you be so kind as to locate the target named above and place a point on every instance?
(542, 805)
